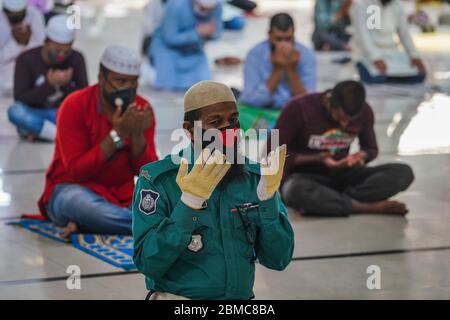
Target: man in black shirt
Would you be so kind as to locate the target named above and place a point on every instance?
(322, 178)
(43, 77)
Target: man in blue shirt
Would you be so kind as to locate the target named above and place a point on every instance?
(279, 68)
(177, 48)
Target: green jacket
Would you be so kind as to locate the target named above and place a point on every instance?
(221, 264)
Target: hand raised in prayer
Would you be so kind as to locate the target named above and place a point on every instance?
(123, 121)
(285, 55)
(293, 59)
(51, 77)
(142, 118)
(64, 76)
(59, 78)
(207, 29)
(198, 184)
(272, 169)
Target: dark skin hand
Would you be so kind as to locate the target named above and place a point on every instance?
(354, 160)
(357, 159)
(381, 66)
(285, 59)
(59, 78)
(130, 123)
(419, 64)
(142, 119)
(207, 29)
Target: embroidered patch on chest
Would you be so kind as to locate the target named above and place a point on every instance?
(196, 243)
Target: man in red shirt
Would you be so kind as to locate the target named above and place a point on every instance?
(105, 134)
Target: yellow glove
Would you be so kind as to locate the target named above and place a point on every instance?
(199, 184)
(271, 173)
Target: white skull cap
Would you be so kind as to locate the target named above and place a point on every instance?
(122, 60)
(58, 30)
(14, 5)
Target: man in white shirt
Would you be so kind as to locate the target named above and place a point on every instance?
(21, 28)
(378, 55)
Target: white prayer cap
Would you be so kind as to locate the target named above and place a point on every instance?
(122, 60)
(58, 30)
(208, 3)
(14, 5)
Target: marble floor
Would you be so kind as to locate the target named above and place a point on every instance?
(332, 255)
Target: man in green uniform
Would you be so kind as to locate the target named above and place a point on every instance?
(200, 224)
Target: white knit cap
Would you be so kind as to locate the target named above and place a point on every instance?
(122, 60)
(58, 30)
(14, 5)
(208, 3)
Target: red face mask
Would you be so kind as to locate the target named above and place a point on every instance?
(228, 136)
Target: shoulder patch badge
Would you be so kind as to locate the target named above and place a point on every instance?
(147, 204)
(145, 174)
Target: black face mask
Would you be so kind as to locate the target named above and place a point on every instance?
(120, 97)
(14, 19)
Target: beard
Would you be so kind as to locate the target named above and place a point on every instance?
(235, 173)
(234, 157)
(237, 169)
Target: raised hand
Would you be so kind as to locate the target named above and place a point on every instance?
(271, 173)
(198, 185)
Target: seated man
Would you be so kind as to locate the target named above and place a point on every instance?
(378, 55)
(153, 13)
(176, 50)
(321, 177)
(331, 19)
(105, 134)
(199, 227)
(278, 69)
(21, 28)
(44, 76)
